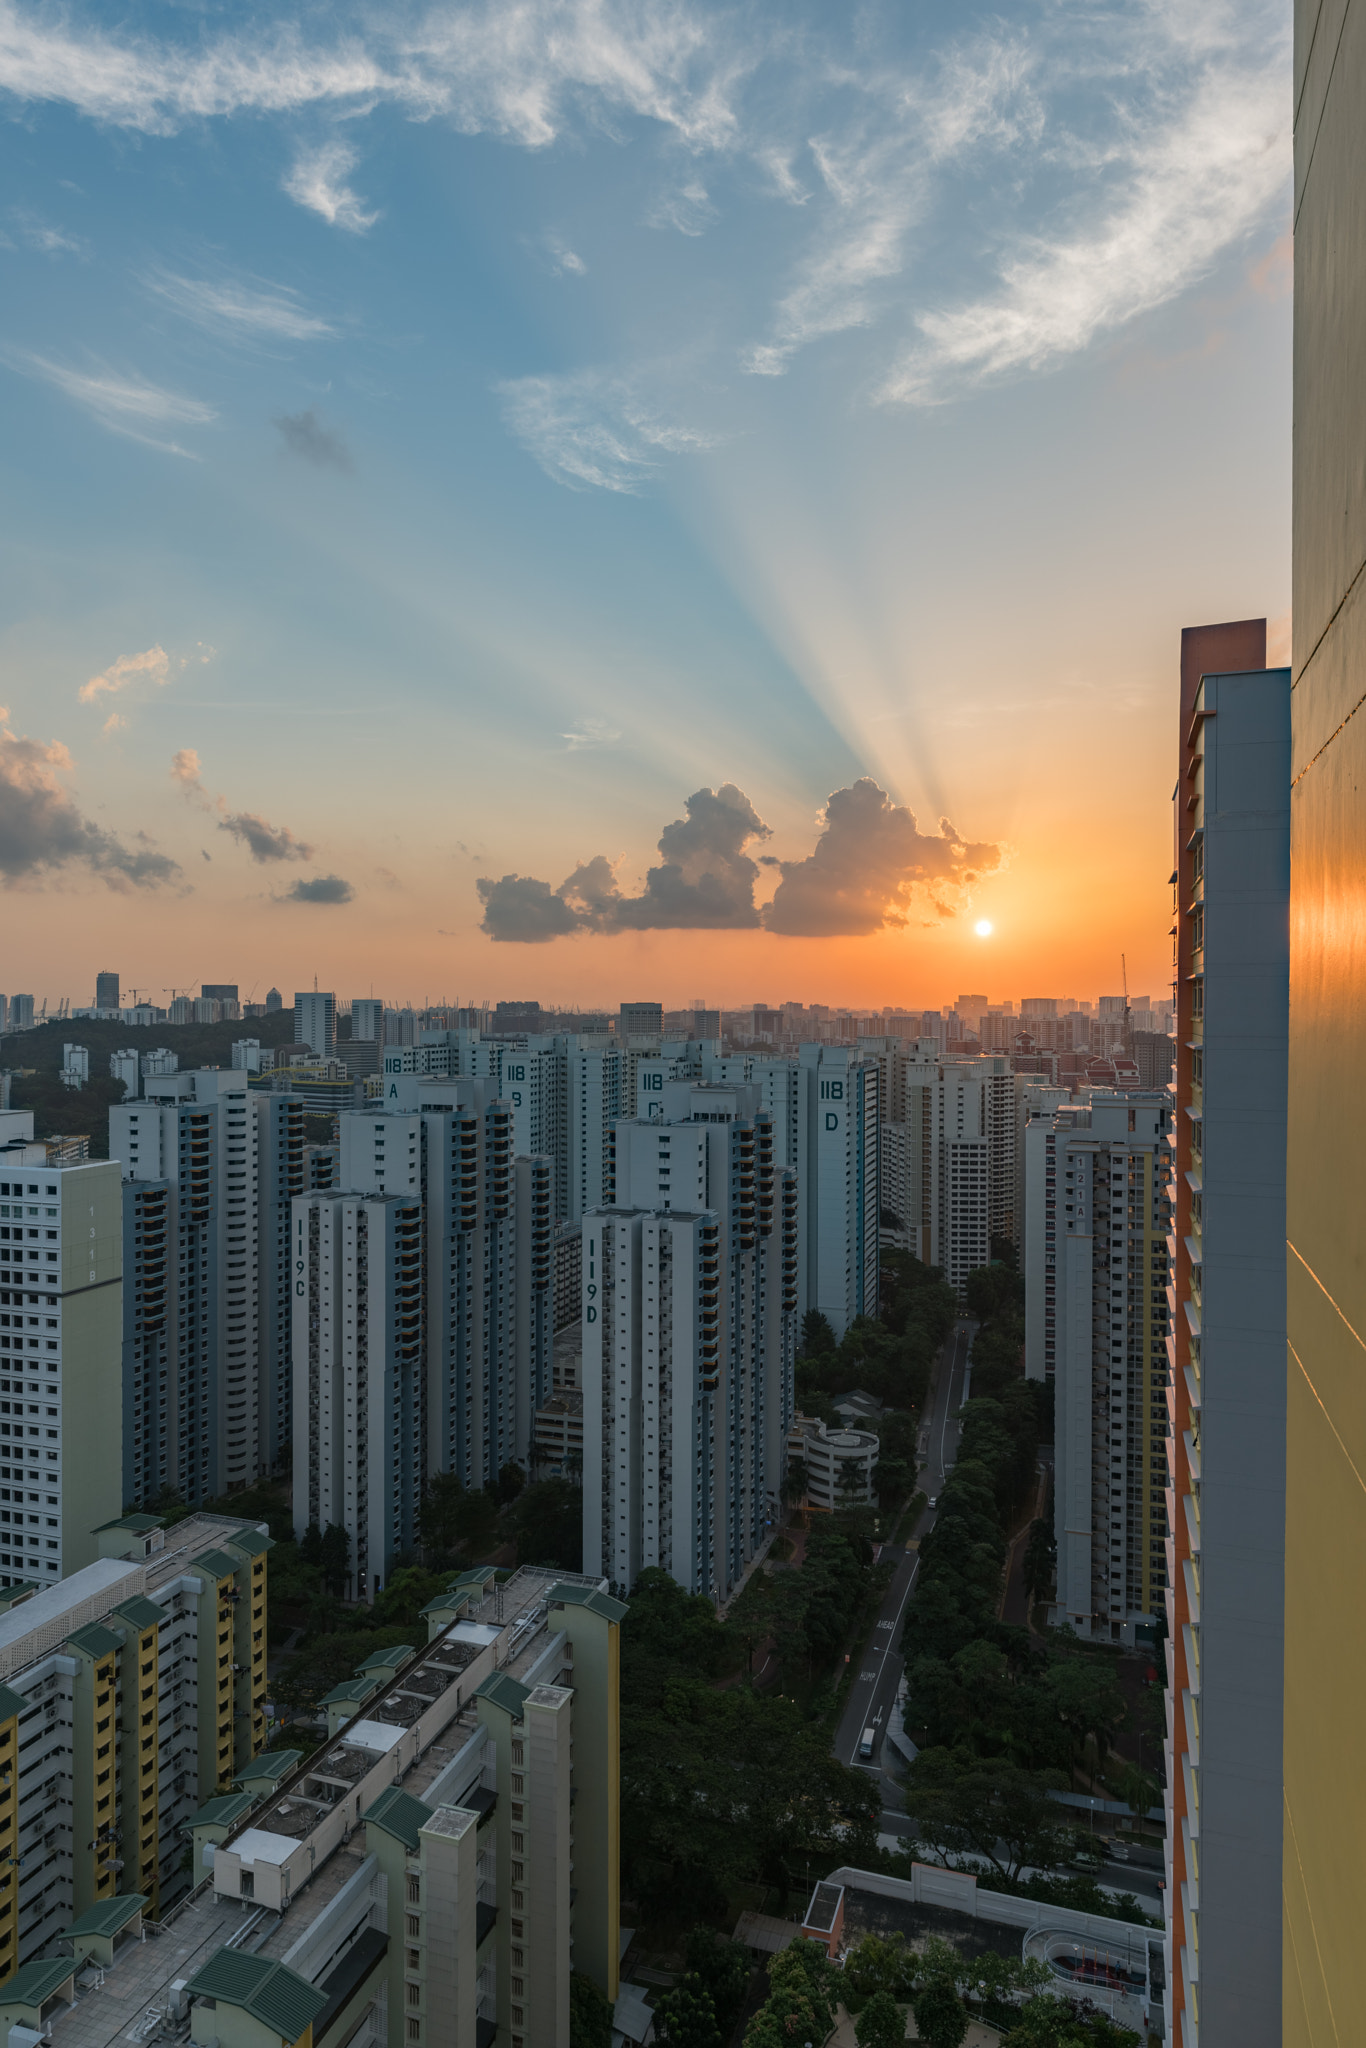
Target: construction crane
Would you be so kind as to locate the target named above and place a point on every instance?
(137, 994)
(174, 992)
(1128, 1013)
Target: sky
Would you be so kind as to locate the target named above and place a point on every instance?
(599, 500)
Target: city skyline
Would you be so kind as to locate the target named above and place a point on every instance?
(449, 461)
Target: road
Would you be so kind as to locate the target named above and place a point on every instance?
(874, 1688)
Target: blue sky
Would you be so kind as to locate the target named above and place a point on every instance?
(468, 432)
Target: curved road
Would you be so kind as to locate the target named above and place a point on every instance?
(874, 1688)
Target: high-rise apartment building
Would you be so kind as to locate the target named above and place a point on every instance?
(952, 1159)
(1097, 1186)
(837, 1174)
(192, 1395)
(61, 1306)
(1325, 1663)
(359, 1406)
(130, 1692)
(367, 1018)
(1227, 1612)
(21, 1013)
(315, 1022)
(107, 991)
(447, 1235)
(689, 1340)
(282, 1172)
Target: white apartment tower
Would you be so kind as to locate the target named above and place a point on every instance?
(359, 1453)
(61, 1286)
(837, 1171)
(1098, 1185)
(953, 1163)
(191, 1379)
(315, 1022)
(690, 1297)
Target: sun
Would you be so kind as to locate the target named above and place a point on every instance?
(984, 927)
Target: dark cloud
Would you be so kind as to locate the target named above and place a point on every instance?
(870, 864)
(704, 883)
(305, 436)
(265, 842)
(870, 867)
(320, 889)
(41, 828)
(524, 910)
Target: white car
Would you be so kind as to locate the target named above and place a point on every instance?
(934, 1500)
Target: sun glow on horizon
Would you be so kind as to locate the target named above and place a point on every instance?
(984, 927)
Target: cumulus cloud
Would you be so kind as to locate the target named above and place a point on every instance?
(41, 828)
(518, 908)
(871, 867)
(317, 889)
(317, 180)
(266, 843)
(248, 309)
(593, 431)
(305, 435)
(705, 882)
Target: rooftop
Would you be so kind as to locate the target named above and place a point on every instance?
(276, 1996)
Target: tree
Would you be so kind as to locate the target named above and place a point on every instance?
(590, 2016)
(511, 1480)
(724, 1967)
(311, 1545)
(1049, 2022)
(547, 1521)
(1040, 1559)
(452, 1516)
(686, 2015)
(794, 1481)
(881, 2024)
(335, 1557)
(818, 1338)
(984, 1806)
(893, 1479)
(880, 1962)
(941, 2018)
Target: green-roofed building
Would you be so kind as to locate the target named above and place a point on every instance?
(212, 1825)
(264, 1773)
(592, 1619)
(96, 1935)
(30, 1996)
(243, 2001)
(345, 1701)
(385, 1665)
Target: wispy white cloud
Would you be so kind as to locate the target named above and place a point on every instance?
(589, 732)
(522, 68)
(317, 180)
(1186, 190)
(249, 309)
(593, 431)
(563, 260)
(688, 209)
(36, 233)
(124, 404)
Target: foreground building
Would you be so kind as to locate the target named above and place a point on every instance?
(129, 1693)
(432, 1874)
(1325, 1662)
(1226, 1615)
